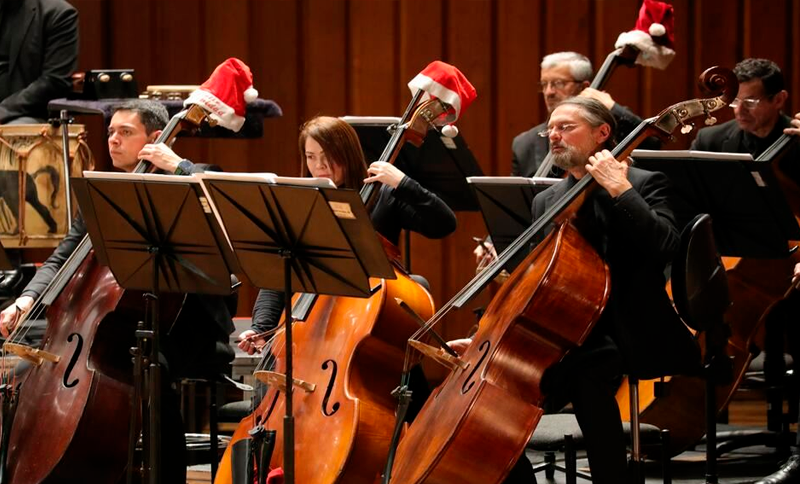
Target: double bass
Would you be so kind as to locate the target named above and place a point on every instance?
(348, 355)
(478, 421)
(72, 411)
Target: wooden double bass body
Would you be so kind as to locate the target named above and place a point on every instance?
(352, 350)
(72, 415)
(495, 402)
(478, 422)
(76, 411)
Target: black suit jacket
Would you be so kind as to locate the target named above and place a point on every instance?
(529, 149)
(43, 55)
(637, 237)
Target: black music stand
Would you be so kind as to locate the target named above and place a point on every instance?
(750, 213)
(322, 239)
(156, 235)
(505, 203)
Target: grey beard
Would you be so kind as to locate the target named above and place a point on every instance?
(569, 158)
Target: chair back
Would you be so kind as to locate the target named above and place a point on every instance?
(699, 281)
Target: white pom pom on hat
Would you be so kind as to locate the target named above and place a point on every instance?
(250, 94)
(657, 30)
(450, 130)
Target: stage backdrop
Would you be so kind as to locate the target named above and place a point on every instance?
(355, 57)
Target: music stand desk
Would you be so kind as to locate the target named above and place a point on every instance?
(155, 235)
(297, 238)
(750, 213)
(505, 203)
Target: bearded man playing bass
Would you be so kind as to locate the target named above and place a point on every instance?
(628, 220)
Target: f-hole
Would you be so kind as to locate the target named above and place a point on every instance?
(469, 382)
(326, 410)
(73, 360)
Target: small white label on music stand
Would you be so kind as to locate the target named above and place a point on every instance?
(342, 210)
(204, 203)
(757, 177)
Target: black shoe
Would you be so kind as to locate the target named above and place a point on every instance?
(789, 473)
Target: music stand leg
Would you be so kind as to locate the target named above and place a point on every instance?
(403, 396)
(65, 121)
(288, 420)
(136, 399)
(155, 380)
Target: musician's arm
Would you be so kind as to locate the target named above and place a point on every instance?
(794, 129)
(267, 310)
(266, 315)
(644, 215)
(422, 211)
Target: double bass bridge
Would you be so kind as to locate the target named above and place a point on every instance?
(278, 380)
(33, 355)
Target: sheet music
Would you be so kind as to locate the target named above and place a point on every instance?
(147, 177)
(689, 154)
(512, 180)
(271, 178)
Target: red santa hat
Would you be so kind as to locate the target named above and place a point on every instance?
(226, 93)
(443, 81)
(654, 35)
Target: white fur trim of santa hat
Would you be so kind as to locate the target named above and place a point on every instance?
(431, 87)
(225, 93)
(220, 112)
(444, 81)
(652, 54)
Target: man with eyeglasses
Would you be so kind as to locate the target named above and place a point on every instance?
(563, 74)
(759, 122)
(628, 220)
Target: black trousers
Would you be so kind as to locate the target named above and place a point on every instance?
(588, 377)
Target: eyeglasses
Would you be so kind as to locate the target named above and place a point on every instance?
(561, 129)
(748, 103)
(558, 84)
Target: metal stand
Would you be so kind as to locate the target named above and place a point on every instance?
(166, 243)
(340, 263)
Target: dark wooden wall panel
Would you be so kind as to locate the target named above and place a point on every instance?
(516, 99)
(325, 39)
(341, 57)
(373, 53)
